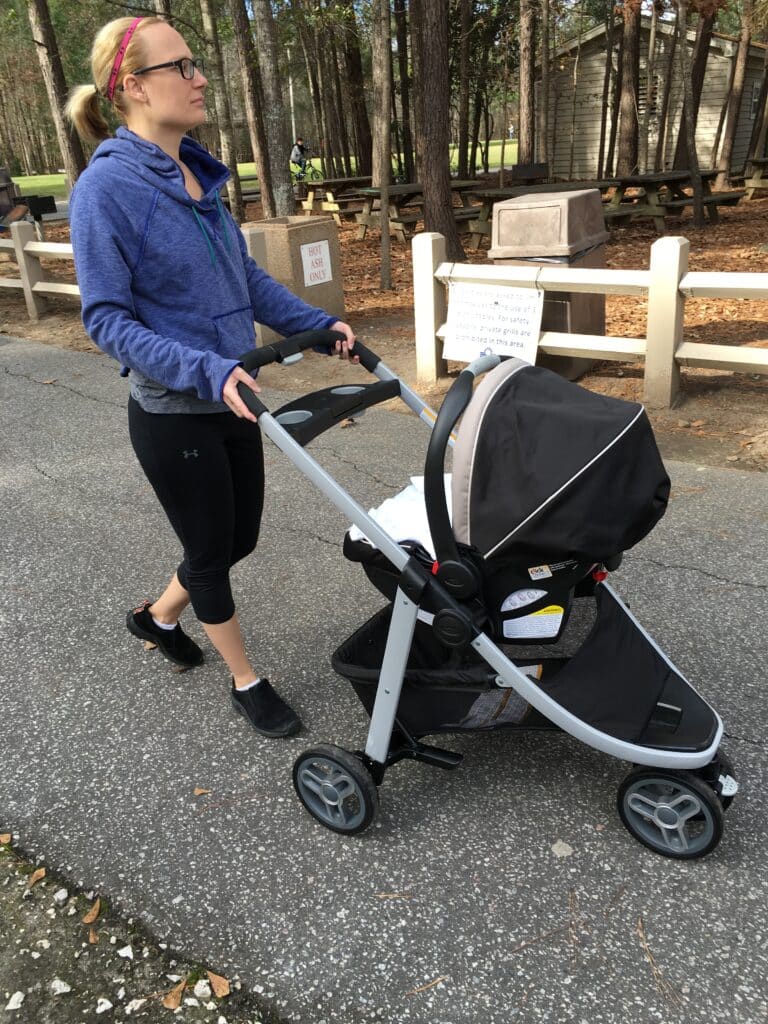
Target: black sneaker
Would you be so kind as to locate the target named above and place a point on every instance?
(266, 710)
(174, 643)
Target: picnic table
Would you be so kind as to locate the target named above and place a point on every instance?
(337, 196)
(756, 182)
(480, 225)
(659, 194)
(405, 202)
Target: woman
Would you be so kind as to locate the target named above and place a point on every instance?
(169, 290)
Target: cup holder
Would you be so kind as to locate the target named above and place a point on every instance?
(293, 418)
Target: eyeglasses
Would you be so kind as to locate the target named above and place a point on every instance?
(186, 67)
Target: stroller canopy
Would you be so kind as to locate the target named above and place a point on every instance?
(544, 468)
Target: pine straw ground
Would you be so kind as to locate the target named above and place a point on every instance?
(721, 418)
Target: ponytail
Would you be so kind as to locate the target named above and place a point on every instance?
(84, 111)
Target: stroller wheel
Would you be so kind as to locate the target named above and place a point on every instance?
(673, 813)
(336, 789)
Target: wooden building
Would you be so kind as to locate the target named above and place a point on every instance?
(575, 110)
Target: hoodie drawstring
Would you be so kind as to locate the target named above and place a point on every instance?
(211, 251)
(207, 237)
(224, 223)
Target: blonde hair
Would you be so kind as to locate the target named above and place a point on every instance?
(83, 108)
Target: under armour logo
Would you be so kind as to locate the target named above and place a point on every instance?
(191, 454)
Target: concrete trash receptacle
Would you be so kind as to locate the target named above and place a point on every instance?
(556, 227)
(303, 254)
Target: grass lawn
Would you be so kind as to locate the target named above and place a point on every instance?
(43, 185)
(55, 185)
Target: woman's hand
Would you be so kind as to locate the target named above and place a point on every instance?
(230, 395)
(344, 348)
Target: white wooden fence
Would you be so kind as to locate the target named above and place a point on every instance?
(32, 280)
(667, 284)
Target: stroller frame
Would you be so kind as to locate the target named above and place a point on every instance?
(339, 788)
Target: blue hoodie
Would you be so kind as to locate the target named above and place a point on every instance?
(167, 285)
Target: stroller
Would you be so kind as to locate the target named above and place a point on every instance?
(496, 567)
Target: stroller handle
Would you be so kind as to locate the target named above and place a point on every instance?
(281, 350)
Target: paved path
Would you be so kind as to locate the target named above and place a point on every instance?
(103, 745)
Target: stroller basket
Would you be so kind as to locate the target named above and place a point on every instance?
(443, 691)
(617, 682)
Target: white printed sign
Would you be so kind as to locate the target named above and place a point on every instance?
(486, 318)
(316, 260)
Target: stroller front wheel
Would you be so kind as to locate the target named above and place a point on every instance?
(673, 813)
(336, 788)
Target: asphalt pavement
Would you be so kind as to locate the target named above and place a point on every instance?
(507, 890)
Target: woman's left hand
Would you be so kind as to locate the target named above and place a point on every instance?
(344, 348)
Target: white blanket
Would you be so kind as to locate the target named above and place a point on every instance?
(404, 516)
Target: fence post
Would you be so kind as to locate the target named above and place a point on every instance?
(664, 332)
(430, 304)
(29, 268)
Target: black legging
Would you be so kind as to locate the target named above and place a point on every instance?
(208, 472)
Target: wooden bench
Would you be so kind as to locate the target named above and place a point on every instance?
(714, 199)
(618, 212)
(398, 226)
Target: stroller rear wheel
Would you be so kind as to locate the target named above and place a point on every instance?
(336, 788)
(673, 813)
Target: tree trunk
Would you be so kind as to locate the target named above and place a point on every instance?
(477, 116)
(609, 30)
(401, 27)
(417, 49)
(434, 89)
(465, 29)
(628, 127)
(275, 119)
(344, 141)
(330, 144)
(651, 95)
(223, 112)
(615, 107)
(661, 142)
(542, 114)
(355, 87)
(698, 70)
(43, 36)
(689, 113)
(734, 97)
(526, 151)
(575, 92)
(308, 51)
(382, 144)
(248, 61)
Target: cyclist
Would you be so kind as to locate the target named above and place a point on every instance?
(298, 158)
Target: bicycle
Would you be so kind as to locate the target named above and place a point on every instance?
(309, 173)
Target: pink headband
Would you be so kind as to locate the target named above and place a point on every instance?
(119, 56)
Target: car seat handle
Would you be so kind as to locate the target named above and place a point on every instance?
(483, 364)
(454, 404)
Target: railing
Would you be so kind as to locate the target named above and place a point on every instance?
(32, 280)
(667, 284)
